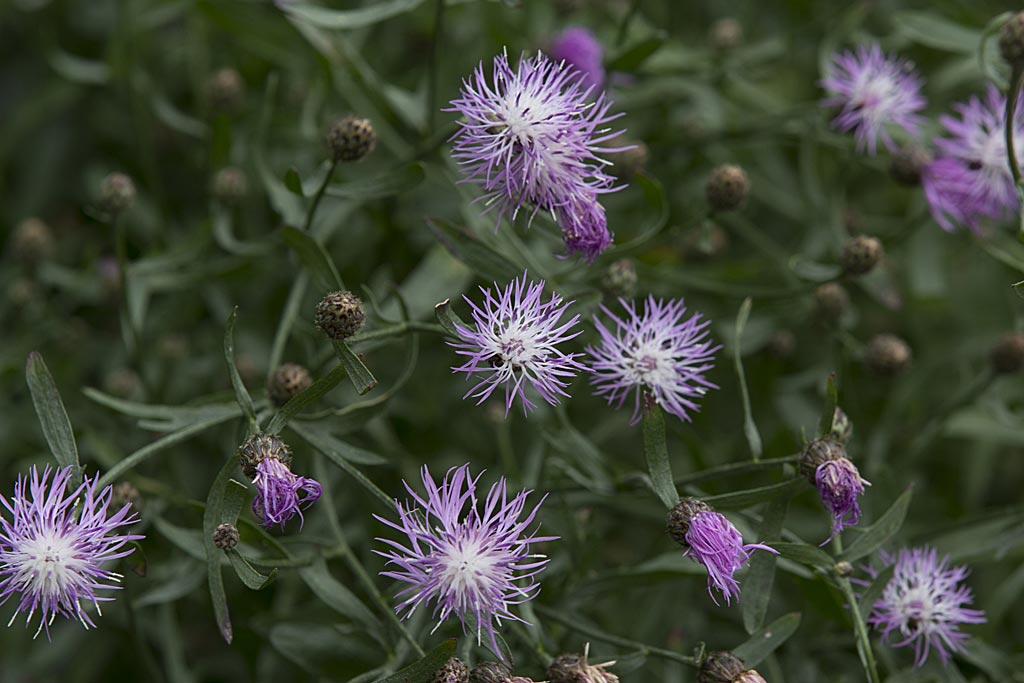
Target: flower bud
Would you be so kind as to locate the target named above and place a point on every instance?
(125, 493)
(726, 34)
(574, 668)
(750, 676)
(720, 667)
(887, 355)
(287, 381)
(842, 569)
(1011, 41)
(1008, 354)
(340, 315)
(123, 383)
(453, 671)
(620, 278)
(21, 292)
(782, 344)
(705, 242)
(831, 301)
(727, 188)
(632, 161)
(816, 454)
(842, 428)
(860, 255)
(32, 241)
(226, 90)
(230, 185)
(172, 346)
(680, 517)
(351, 138)
(907, 163)
(490, 672)
(258, 448)
(225, 536)
(117, 193)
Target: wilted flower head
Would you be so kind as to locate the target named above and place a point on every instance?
(584, 226)
(710, 539)
(923, 604)
(53, 547)
(970, 179)
(873, 92)
(531, 136)
(470, 561)
(514, 341)
(838, 481)
(657, 351)
(579, 48)
(280, 494)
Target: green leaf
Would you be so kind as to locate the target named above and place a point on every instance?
(881, 531)
(252, 578)
(448, 318)
(633, 56)
(297, 403)
(423, 670)
(655, 216)
(212, 516)
(362, 379)
(342, 20)
(749, 427)
(241, 393)
(805, 554)
(656, 452)
(354, 454)
(926, 28)
(335, 595)
(319, 443)
(395, 182)
(77, 69)
(828, 412)
(479, 257)
(757, 587)
(53, 418)
(764, 642)
(738, 500)
(293, 182)
(314, 257)
(814, 272)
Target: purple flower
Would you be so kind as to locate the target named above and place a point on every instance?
(532, 137)
(923, 604)
(657, 351)
(579, 48)
(53, 547)
(873, 91)
(514, 341)
(971, 177)
(584, 227)
(280, 494)
(469, 561)
(839, 483)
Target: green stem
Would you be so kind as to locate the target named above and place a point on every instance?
(626, 21)
(434, 65)
(396, 330)
(1016, 78)
(121, 253)
(284, 327)
(860, 631)
(318, 196)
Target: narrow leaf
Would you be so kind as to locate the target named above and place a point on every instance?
(387, 184)
(52, 416)
(211, 518)
(335, 595)
(749, 427)
(764, 642)
(828, 412)
(757, 589)
(633, 56)
(806, 554)
(293, 182)
(656, 452)
(362, 379)
(247, 573)
(336, 19)
(739, 500)
(241, 393)
(314, 257)
(881, 531)
(448, 318)
(423, 670)
(479, 257)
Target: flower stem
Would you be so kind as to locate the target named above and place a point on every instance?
(434, 64)
(1016, 77)
(860, 631)
(318, 196)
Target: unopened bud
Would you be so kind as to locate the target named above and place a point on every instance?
(289, 380)
(726, 34)
(720, 667)
(887, 355)
(705, 242)
(782, 344)
(843, 569)
(226, 536)
(1011, 41)
(631, 161)
(351, 138)
(32, 241)
(816, 454)
(490, 672)
(123, 383)
(226, 90)
(727, 188)
(125, 493)
(908, 163)
(860, 255)
(842, 428)
(117, 193)
(258, 448)
(620, 278)
(1008, 354)
(574, 668)
(340, 315)
(750, 676)
(831, 301)
(453, 671)
(230, 185)
(680, 517)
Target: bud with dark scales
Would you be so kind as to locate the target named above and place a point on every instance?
(281, 494)
(620, 278)
(226, 90)
(574, 668)
(782, 344)
(887, 355)
(32, 241)
(908, 163)
(726, 34)
(453, 671)
(842, 428)
(117, 193)
(707, 241)
(490, 672)
(826, 466)
(230, 185)
(860, 255)
(351, 138)
(831, 301)
(679, 518)
(1011, 41)
(720, 667)
(816, 454)
(727, 188)
(340, 315)
(1007, 355)
(225, 536)
(288, 380)
(125, 492)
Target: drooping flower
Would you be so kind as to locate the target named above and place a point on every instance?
(514, 341)
(873, 92)
(657, 351)
(710, 539)
(53, 548)
(470, 561)
(970, 179)
(924, 604)
(531, 136)
(825, 465)
(584, 227)
(280, 493)
(579, 48)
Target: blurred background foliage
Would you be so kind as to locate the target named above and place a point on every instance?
(139, 87)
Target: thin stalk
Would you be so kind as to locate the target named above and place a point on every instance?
(284, 327)
(1016, 78)
(318, 196)
(435, 60)
(627, 19)
(860, 631)
(121, 253)
(396, 330)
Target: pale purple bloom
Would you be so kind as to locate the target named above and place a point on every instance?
(658, 351)
(873, 92)
(924, 604)
(839, 484)
(584, 227)
(470, 560)
(714, 542)
(970, 178)
(532, 137)
(53, 547)
(281, 494)
(514, 342)
(579, 48)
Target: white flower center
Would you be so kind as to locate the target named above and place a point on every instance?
(47, 564)
(467, 572)
(651, 364)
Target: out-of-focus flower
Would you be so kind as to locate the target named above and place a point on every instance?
(873, 92)
(470, 561)
(579, 48)
(280, 494)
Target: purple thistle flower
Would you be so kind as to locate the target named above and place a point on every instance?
(971, 177)
(468, 562)
(923, 604)
(579, 48)
(584, 227)
(53, 548)
(656, 351)
(839, 483)
(532, 137)
(280, 493)
(873, 91)
(514, 341)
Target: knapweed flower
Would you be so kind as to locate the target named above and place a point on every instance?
(532, 137)
(514, 341)
(584, 227)
(280, 494)
(825, 465)
(579, 48)
(710, 539)
(470, 561)
(970, 178)
(873, 91)
(658, 351)
(924, 604)
(53, 547)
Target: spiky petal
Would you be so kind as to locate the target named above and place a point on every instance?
(839, 484)
(714, 542)
(281, 494)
